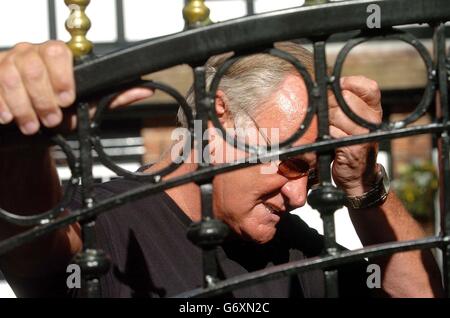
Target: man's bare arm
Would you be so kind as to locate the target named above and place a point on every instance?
(407, 274)
(410, 274)
(30, 185)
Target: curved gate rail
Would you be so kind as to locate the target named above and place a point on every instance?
(108, 74)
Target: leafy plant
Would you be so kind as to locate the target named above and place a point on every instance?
(416, 186)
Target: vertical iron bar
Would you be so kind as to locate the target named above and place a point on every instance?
(324, 161)
(331, 283)
(201, 116)
(92, 287)
(52, 19)
(120, 22)
(250, 7)
(93, 262)
(85, 153)
(209, 232)
(443, 142)
(321, 98)
(210, 266)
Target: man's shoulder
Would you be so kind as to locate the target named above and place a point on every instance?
(115, 186)
(152, 210)
(109, 189)
(101, 191)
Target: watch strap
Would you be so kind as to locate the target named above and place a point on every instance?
(374, 197)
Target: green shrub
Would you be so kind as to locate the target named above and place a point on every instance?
(416, 186)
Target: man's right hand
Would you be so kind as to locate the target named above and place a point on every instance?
(37, 80)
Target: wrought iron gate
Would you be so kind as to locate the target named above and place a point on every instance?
(108, 74)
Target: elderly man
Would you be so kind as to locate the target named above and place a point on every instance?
(146, 239)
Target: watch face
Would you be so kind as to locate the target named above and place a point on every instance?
(386, 181)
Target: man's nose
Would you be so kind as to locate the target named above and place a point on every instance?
(296, 191)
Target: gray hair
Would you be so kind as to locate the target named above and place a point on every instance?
(251, 79)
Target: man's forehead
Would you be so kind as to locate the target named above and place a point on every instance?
(278, 134)
(282, 115)
(285, 109)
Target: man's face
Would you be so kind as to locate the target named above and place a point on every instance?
(251, 200)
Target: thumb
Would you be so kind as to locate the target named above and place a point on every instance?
(131, 96)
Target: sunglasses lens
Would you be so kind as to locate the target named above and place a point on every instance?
(293, 168)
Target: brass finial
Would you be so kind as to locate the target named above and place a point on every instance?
(196, 14)
(78, 24)
(313, 2)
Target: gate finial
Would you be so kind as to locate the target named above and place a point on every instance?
(196, 14)
(78, 24)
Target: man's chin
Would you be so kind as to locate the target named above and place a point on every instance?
(263, 237)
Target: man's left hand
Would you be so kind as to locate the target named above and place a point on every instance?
(354, 167)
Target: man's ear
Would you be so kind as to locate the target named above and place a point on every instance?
(216, 139)
(221, 107)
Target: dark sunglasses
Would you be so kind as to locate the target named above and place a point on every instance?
(295, 168)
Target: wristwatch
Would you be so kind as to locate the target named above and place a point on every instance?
(375, 196)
